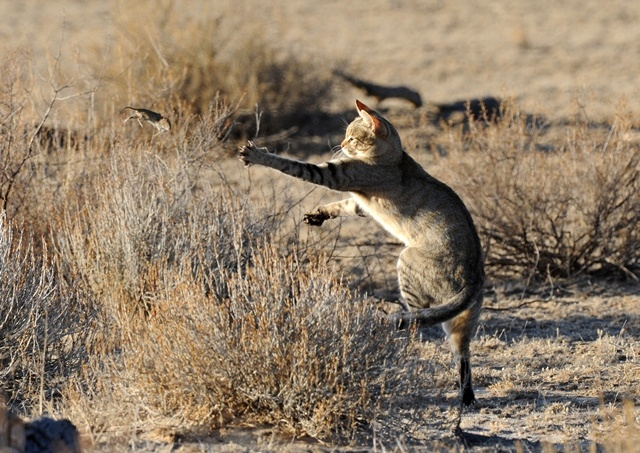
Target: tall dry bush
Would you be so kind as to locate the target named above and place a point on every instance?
(42, 318)
(18, 130)
(279, 342)
(43, 335)
(128, 217)
(556, 207)
(38, 156)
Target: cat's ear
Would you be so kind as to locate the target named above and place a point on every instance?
(370, 119)
(361, 106)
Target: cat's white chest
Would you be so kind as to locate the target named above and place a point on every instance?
(387, 215)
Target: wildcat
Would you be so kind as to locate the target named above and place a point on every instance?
(442, 264)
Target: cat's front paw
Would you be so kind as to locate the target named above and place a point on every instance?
(251, 154)
(315, 218)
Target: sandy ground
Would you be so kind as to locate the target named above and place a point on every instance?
(545, 53)
(557, 364)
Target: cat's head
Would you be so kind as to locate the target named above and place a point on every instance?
(370, 136)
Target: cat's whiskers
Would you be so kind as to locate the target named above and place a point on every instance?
(336, 151)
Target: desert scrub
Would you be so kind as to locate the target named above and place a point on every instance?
(558, 208)
(42, 324)
(225, 326)
(284, 344)
(19, 128)
(141, 211)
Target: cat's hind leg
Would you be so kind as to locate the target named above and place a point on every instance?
(413, 269)
(434, 296)
(460, 330)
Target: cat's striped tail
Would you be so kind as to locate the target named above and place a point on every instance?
(467, 298)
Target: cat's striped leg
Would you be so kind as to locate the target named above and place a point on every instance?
(336, 174)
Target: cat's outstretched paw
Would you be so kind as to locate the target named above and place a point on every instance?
(250, 153)
(315, 218)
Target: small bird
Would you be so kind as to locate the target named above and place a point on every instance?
(155, 119)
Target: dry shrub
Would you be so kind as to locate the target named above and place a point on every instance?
(556, 209)
(282, 343)
(288, 90)
(16, 136)
(36, 155)
(42, 339)
(42, 334)
(130, 216)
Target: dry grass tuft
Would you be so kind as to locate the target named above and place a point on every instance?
(42, 339)
(280, 343)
